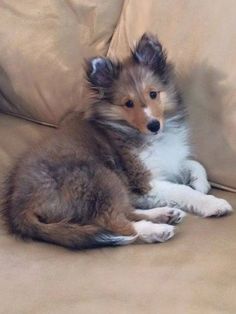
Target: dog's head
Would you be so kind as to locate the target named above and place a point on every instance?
(136, 91)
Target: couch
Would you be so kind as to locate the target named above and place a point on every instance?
(42, 49)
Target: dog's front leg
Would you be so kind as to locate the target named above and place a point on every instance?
(184, 197)
(198, 176)
(147, 201)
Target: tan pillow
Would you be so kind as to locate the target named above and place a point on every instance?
(42, 47)
(201, 40)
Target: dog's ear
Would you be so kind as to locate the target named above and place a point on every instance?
(101, 72)
(149, 52)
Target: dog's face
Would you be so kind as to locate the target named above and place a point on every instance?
(136, 90)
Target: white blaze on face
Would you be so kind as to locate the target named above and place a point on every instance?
(151, 117)
(148, 113)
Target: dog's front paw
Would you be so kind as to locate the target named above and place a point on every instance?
(167, 215)
(150, 232)
(160, 233)
(214, 206)
(175, 215)
(201, 185)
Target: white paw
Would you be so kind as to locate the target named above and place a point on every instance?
(201, 185)
(175, 215)
(168, 215)
(213, 206)
(151, 233)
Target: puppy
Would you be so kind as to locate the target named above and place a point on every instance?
(81, 188)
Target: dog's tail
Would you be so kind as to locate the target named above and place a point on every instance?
(68, 234)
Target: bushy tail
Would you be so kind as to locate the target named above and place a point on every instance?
(69, 235)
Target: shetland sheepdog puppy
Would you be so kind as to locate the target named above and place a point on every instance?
(88, 185)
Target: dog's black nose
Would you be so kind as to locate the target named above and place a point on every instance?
(153, 126)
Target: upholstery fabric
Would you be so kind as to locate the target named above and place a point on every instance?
(200, 39)
(42, 49)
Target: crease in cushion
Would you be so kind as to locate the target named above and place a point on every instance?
(42, 49)
(200, 40)
(31, 120)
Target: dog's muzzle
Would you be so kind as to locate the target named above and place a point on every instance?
(154, 126)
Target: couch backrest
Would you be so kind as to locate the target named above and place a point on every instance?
(42, 47)
(200, 37)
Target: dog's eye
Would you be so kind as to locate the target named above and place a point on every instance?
(129, 104)
(153, 94)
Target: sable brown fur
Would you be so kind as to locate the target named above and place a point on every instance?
(76, 188)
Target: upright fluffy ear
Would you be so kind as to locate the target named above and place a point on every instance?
(149, 52)
(101, 72)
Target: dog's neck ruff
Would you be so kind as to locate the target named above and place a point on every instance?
(121, 133)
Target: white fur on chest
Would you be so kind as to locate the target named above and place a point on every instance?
(165, 157)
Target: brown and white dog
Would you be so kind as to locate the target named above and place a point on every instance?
(128, 150)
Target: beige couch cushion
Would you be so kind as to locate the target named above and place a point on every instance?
(193, 273)
(200, 38)
(42, 48)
